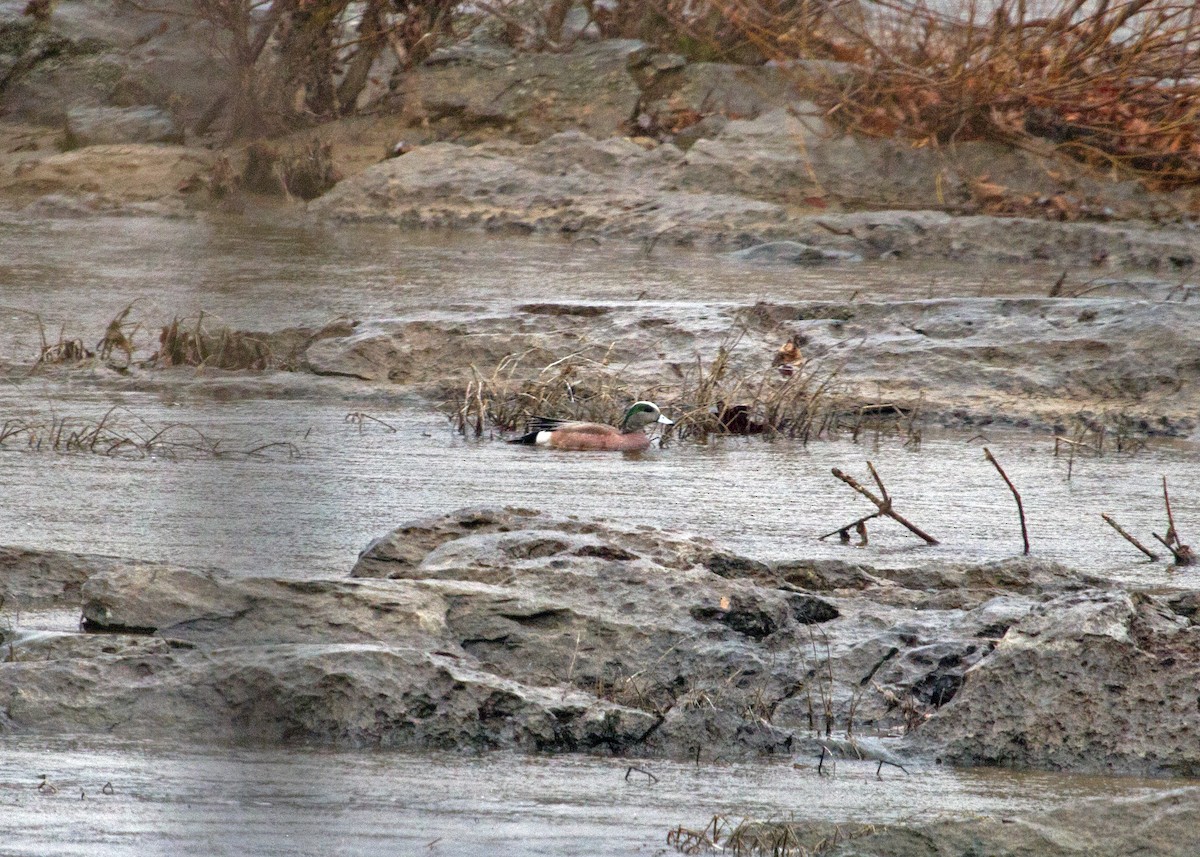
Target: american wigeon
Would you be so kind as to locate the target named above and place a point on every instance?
(565, 434)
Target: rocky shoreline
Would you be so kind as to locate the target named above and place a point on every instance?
(512, 629)
(502, 140)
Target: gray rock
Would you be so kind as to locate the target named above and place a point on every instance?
(775, 178)
(100, 125)
(708, 88)
(101, 53)
(795, 253)
(350, 696)
(509, 628)
(531, 95)
(31, 579)
(1093, 681)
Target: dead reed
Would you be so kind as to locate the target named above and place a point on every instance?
(62, 350)
(1093, 436)
(121, 434)
(184, 344)
(714, 397)
(747, 838)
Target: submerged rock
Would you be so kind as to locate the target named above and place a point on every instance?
(794, 252)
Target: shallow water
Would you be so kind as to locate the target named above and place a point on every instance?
(77, 274)
(309, 513)
(172, 800)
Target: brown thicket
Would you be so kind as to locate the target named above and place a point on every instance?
(295, 62)
(1113, 84)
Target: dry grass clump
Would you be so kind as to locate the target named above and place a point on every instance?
(186, 341)
(118, 336)
(747, 838)
(120, 434)
(180, 345)
(715, 397)
(579, 386)
(1113, 84)
(306, 171)
(183, 342)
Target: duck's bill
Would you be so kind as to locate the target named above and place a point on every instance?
(665, 421)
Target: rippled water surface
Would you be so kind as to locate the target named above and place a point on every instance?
(321, 487)
(171, 800)
(310, 514)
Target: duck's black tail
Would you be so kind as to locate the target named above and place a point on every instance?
(535, 426)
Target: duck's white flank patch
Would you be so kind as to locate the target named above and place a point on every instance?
(543, 437)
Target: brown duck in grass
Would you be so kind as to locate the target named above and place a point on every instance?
(565, 434)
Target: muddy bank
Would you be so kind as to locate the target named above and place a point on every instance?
(1159, 824)
(1118, 358)
(489, 629)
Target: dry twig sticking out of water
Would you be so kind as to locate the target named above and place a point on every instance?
(1108, 519)
(360, 419)
(883, 504)
(1016, 496)
(1183, 553)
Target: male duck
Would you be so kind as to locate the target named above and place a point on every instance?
(563, 434)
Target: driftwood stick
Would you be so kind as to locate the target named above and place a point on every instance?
(1016, 494)
(1183, 554)
(850, 526)
(1109, 520)
(885, 506)
(879, 482)
(1172, 533)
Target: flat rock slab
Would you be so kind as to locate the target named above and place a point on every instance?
(102, 178)
(753, 182)
(32, 579)
(964, 361)
(1093, 681)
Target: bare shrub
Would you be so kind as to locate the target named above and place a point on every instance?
(306, 171)
(296, 62)
(1111, 84)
